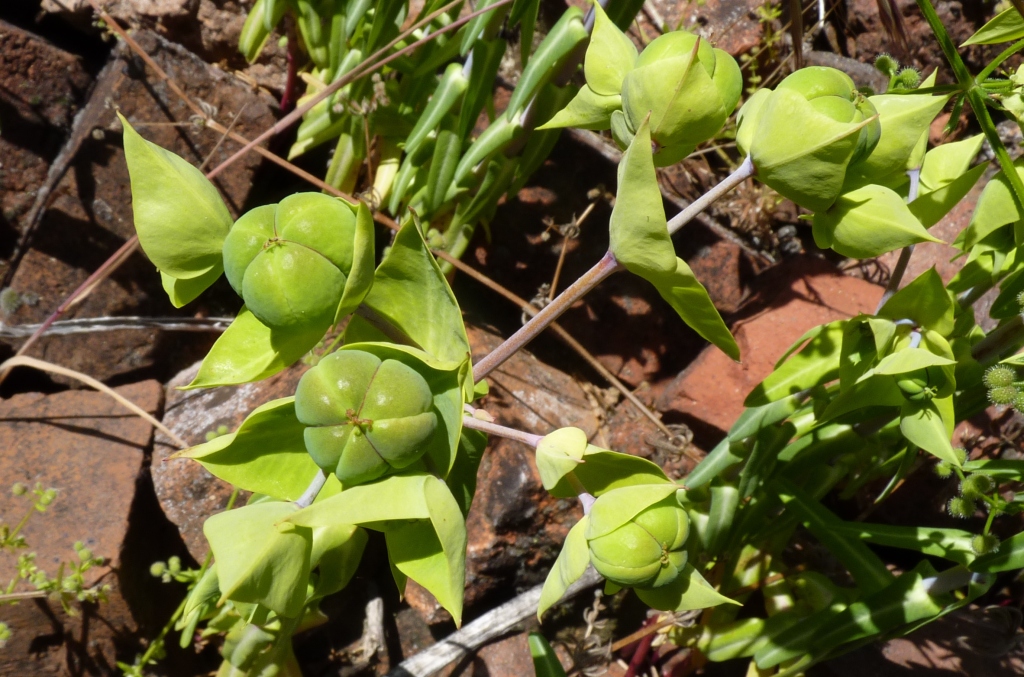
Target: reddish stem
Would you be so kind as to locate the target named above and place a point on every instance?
(643, 649)
(288, 98)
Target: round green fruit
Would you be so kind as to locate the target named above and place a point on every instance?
(366, 416)
(290, 261)
(646, 551)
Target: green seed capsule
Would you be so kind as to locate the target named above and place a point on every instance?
(922, 385)
(984, 544)
(367, 416)
(1000, 376)
(290, 261)
(648, 550)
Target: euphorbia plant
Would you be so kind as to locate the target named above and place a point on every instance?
(382, 435)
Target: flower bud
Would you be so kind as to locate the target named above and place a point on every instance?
(646, 551)
(923, 384)
(367, 416)
(290, 261)
(803, 136)
(689, 89)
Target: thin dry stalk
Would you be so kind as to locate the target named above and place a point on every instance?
(21, 361)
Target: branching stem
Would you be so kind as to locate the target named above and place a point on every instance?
(738, 176)
(501, 431)
(310, 494)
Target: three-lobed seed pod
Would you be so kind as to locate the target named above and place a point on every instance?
(922, 385)
(647, 551)
(367, 416)
(290, 261)
(803, 136)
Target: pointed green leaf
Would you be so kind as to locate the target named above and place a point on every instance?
(397, 497)
(249, 351)
(910, 359)
(572, 562)
(864, 565)
(360, 276)
(922, 425)
(946, 163)
(587, 110)
(559, 453)
(610, 55)
(873, 391)
(996, 208)
(1006, 26)
(690, 300)
(179, 215)
(558, 45)
(687, 592)
(462, 477)
(266, 455)
(613, 509)
(182, 292)
(450, 90)
(930, 207)
(638, 230)
(545, 660)
(868, 222)
(337, 551)
(260, 560)
(603, 470)
(411, 294)
(951, 544)
(925, 301)
(904, 120)
(1002, 470)
(815, 364)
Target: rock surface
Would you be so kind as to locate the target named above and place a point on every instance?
(90, 215)
(708, 395)
(89, 448)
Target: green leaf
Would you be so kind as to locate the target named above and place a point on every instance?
(922, 425)
(462, 477)
(545, 661)
(179, 215)
(610, 55)
(867, 222)
(259, 559)
(1002, 470)
(690, 300)
(181, 292)
(266, 455)
(925, 301)
(558, 45)
(930, 207)
(815, 364)
(337, 551)
(1008, 557)
(449, 91)
(996, 208)
(249, 351)
(559, 453)
(410, 293)
(614, 508)
(587, 110)
(360, 277)
(946, 163)
(434, 554)
(910, 359)
(864, 565)
(687, 592)
(572, 562)
(397, 497)
(873, 391)
(725, 499)
(904, 120)
(1006, 26)
(602, 470)
(638, 230)
(447, 153)
(951, 544)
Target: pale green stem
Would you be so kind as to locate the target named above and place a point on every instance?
(526, 438)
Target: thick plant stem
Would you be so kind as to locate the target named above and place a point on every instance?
(739, 175)
(309, 495)
(551, 312)
(501, 431)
